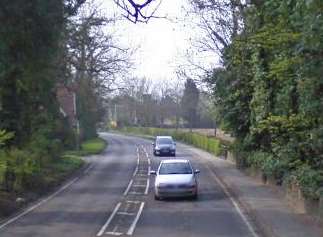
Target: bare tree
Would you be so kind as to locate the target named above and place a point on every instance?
(137, 12)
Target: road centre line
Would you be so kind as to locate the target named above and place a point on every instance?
(135, 172)
(135, 193)
(147, 187)
(235, 204)
(139, 185)
(128, 188)
(104, 227)
(134, 223)
(39, 203)
(134, 202)
(125, 213)
(114, 233)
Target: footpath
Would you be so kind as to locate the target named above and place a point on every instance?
(266, 207)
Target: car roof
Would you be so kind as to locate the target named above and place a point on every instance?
(164, 137)
(175, 161)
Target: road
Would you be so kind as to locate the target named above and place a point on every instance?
(114, 197)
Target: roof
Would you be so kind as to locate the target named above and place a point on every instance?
(164, 137)
(175, 161)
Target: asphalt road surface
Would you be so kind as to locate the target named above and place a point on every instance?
(114, 197)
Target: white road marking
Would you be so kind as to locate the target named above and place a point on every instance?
(148, 161)
(125, 213)
(139, 185)
(104, 227)
(38, 204)
(88, 169)
(136, 193)
(134, 223)
(114, 233)
(147, 187)
(135, 172)
(134, 202)
(148, 171)
(235, 204)
(128, 188)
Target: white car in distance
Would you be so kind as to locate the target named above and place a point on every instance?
(175, 178)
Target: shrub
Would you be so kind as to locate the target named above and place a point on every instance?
(209, 144)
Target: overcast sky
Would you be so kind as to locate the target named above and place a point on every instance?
(162, 42)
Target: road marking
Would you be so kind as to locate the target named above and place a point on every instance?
(148, 161)
(88, 169)
(134, 223)
(104, 227)
(125, 213)
(235, 204)
(147, 187)
(114, 233)
(136, 193)
(128, 188)
(139, 185)
(148, 171)
(134, 202)
(135, 172)
(38, 204)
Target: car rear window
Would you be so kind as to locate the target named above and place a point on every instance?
(164, 141)
(175, 168)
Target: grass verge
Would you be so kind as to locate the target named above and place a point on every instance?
(89, 147)
(203, 142)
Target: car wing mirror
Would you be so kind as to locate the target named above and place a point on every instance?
(153, 172)
(197, 171)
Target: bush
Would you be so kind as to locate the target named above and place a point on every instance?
(209, 144)
(310, 181)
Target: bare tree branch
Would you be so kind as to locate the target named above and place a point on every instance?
(134, 11)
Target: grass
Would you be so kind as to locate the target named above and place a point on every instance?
(52, 173)
(204, 142)
(89, 147)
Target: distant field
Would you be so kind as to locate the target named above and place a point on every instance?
(210, 132)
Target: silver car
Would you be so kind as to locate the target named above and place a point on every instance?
(175, 178)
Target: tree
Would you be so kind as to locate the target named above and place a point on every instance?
(29, 49)
(189, 102)
(95, 60)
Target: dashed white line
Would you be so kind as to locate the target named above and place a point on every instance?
(114, 233)
(125, 213)
(134, 223)
(134, 202)
(135, 193)
(135, 172)
(128, 188)
(39, 203)
(139, 185)
(147, 187)
(104, 227)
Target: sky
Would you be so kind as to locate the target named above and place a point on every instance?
(162, 42)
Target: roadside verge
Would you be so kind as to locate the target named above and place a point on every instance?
(59, 175)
